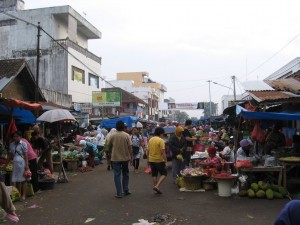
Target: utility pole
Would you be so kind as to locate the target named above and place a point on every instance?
(234, 93)
(37, 63)
(209, 101)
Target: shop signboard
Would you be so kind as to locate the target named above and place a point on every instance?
(100, 98)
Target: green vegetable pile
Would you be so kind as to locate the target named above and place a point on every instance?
(265, 190)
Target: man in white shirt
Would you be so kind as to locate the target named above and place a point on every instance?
(228, 153)
(100, 141)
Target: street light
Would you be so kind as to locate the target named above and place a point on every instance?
(209, 101)
(233, 89)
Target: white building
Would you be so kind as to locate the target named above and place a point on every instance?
(63, 77)
(141, 85)
(228, 101)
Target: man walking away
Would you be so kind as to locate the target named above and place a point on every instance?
(157, 158)
(120, 146)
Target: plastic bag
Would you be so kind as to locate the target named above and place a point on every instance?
(258, 133)
(148, 170)
(29, 190)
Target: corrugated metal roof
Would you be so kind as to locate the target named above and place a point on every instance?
(256, 85)
(273, 96)
(289, 84)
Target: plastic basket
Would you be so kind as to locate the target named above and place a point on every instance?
(192, 182)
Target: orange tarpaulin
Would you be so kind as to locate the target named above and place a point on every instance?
(21, 104)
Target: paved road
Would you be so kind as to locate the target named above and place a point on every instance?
(91, 195)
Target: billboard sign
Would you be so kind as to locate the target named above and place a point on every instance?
(106, 98)
(178, 106)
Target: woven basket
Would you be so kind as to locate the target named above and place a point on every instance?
(192, 182)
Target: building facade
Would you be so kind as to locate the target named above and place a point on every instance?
(68, 72)
(140, 85)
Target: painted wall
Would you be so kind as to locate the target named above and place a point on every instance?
(82, 92)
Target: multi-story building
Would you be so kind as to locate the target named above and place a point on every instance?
(139, 84)
(68, 71)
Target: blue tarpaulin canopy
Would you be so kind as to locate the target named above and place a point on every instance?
(111, 123)
(270, 116)
(20, 115)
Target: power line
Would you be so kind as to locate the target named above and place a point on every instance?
(17, 18)
(276, 53)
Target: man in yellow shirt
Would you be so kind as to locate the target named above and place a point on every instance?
(157, 158)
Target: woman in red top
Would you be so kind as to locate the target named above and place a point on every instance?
(212, 161)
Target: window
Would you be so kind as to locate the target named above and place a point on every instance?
(78, 74)
(93, 80)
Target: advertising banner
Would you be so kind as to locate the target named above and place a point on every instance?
(106, 98)
(179, 106)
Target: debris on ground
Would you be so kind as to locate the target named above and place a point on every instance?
(89, 220)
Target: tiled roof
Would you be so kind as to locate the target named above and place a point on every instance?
(11, 67)
(273, 96)
(289, 84)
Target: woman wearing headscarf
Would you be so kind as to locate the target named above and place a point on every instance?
(243, 153)
(106, 148)
(177, 145)
(212, 161)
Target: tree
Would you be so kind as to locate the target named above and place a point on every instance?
(194, 119)
(182, 117)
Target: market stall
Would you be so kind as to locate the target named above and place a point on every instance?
(58, 116)
(285, 163)
(13, 112)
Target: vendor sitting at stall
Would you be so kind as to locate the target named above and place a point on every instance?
(212, 161)
(243, 153)
(274, 139)
(91, 149)
(228, 153)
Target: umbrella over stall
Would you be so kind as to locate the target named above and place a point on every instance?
(58, 116)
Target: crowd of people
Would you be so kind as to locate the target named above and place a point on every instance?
(125, 147)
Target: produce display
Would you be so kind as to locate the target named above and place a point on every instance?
(15, 194)
(194, 172)
(264, 190)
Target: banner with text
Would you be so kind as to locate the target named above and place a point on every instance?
(106, 98)
(179, 106)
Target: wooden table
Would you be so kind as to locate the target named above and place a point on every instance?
(286, 167)
(262, 169)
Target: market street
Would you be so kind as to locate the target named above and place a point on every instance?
(90, 196)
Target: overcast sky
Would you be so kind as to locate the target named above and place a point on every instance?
(185, 43)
